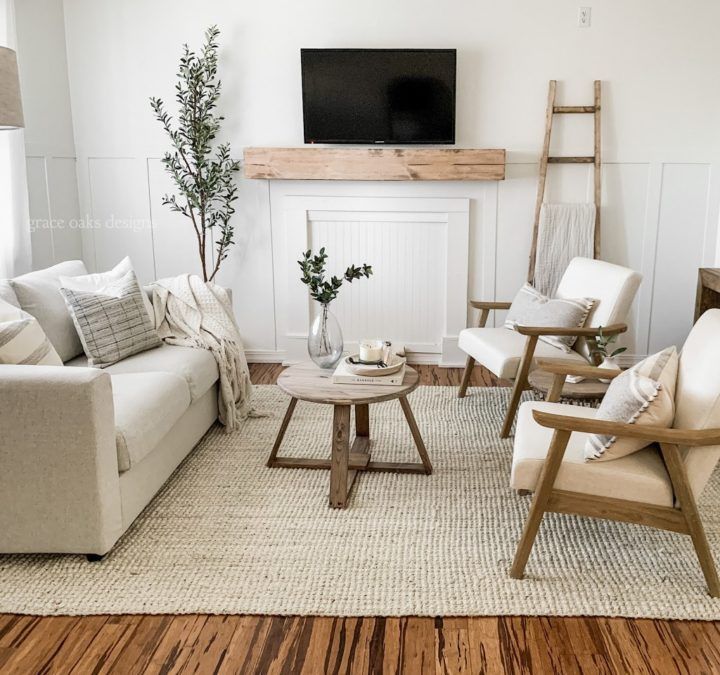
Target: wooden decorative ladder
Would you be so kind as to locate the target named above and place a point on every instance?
(594, 159)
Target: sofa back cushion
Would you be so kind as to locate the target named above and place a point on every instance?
(7, 294)
(38, 293)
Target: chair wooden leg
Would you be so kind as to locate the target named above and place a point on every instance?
(540, 500)
(521, 381)
(683, 492)
(467, 374)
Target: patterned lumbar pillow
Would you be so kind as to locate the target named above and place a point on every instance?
(644, 394)
(113, 324)
(23, 343)
(532, 308)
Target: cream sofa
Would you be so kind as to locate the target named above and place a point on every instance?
(84, 450)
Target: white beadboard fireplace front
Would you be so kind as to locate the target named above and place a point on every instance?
(418, 247)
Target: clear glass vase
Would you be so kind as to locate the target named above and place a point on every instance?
(325, 340)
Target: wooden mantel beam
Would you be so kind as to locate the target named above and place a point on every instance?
(317, 163)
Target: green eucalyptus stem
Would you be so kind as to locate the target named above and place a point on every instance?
(322, 289)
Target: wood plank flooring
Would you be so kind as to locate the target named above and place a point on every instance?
(310, 645)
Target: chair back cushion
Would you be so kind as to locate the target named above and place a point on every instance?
(697, 394)
(611, 286)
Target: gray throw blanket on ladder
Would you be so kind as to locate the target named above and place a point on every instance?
(565, 231)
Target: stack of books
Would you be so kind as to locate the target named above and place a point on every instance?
(343, 375)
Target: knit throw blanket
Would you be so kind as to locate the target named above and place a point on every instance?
(565, 231)
(192, 313)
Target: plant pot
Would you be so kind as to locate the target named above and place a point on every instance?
(609, 363)
(325, 339)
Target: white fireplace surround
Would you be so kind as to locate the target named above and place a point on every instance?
(418, 247)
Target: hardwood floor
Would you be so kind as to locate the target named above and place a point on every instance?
(265, 644)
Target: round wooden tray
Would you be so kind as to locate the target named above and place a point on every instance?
(587, 390)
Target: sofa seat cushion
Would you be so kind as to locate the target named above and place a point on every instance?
(147, 406)
(640, 477)
(500, 350)
(196, 366)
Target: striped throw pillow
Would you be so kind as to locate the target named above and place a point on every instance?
(23, 343)
(644, 394)
(112, 324)
(532, 308)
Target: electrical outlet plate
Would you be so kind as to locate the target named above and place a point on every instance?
(584, 16)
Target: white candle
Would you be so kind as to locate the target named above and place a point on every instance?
(371, 351)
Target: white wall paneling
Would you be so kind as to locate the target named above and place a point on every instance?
(660, 219)
(54, 210)
(120, 214)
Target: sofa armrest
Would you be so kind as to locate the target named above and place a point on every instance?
(59, 482)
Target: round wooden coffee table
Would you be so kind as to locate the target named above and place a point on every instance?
(307, 382)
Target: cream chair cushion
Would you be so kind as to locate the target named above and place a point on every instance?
(147, 406)
(697, 394)
(612, 287)
(500, 350)
(639, 477)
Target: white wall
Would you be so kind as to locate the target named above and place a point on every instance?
(661, 139)
(49, 140)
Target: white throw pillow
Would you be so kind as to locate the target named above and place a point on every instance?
(643, 395)
(97, 283)
(23, 342)
(532, 308)
(38, 293)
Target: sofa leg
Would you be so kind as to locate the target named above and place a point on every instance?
(94, 557)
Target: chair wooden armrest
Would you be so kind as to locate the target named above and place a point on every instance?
(593, 331)
(482, 304)
(560, 367)
(691, 437)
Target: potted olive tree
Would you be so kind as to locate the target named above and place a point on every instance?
(202, 170)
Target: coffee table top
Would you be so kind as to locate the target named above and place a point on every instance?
(307, 382)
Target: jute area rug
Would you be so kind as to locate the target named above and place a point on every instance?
(228, 535)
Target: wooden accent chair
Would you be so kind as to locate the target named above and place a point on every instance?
(657, 486)
(510, 354)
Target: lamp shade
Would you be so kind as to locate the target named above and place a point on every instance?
(11, 113)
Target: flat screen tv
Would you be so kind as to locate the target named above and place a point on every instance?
(393, 96)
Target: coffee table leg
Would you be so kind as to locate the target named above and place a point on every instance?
(340, 457)
(362, 420)
(420, 444)
(281, 433)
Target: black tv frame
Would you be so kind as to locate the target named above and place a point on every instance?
(381, 142)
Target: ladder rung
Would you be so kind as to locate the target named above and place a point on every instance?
(574, 109)
(571, 160)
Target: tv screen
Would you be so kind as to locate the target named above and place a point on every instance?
(378, 95)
